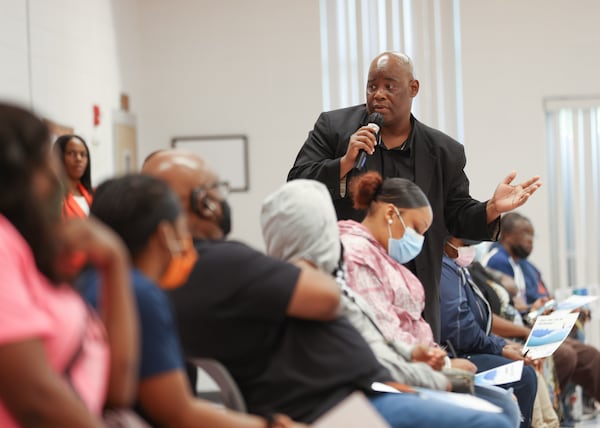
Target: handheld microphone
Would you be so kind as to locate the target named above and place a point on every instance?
(375, 122)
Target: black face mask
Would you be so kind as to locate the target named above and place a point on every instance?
(225, 223)
(199, 203)
(520, 251)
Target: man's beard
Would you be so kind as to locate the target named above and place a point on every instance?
(520, 251)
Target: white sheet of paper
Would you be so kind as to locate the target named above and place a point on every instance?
(500, 375)
(382, 387)
(548, 332)
(574, 302)
(354, 412)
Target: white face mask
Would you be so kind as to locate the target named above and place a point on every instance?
(465, 255)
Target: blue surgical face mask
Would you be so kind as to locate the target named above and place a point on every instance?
(406, 248)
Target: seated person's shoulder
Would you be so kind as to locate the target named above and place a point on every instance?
(498, 260)
(227, 253)
(147, 294)
(448, 263)
(235, 264)
(208, 248)
(235, 275)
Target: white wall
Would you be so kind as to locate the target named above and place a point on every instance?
(233, 67)
(200, 67)
(514, 54)
(190, 67)
(14, 72)
(82, 53)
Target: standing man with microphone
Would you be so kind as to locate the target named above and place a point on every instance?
(411, 150)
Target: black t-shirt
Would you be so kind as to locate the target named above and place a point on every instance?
(233, 309)
(399, 161)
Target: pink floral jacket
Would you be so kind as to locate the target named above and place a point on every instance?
(393, 292)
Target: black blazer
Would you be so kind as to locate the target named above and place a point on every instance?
(439, 171)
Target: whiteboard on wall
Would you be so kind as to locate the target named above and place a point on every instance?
(227, 155)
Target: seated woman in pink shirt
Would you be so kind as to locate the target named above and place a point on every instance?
(398, 214)
(55, 364)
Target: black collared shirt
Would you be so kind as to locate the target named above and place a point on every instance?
(399, 161)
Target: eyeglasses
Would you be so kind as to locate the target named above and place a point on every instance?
(201, 196)
(219, 189)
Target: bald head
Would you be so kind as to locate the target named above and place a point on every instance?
(185, 172)
(395, 59)
(160, 161)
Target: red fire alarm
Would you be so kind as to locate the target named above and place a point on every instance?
(96, 110)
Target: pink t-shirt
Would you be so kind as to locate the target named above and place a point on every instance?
(31, 307)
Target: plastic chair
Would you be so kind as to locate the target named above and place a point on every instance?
(230, 393)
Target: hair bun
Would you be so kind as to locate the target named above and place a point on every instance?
(365, 188)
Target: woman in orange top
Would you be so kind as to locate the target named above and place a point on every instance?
(75, 157)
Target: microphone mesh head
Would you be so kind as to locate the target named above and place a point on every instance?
(376, 118)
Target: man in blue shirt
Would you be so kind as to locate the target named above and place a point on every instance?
(467, 322)
(575, 361)
(510, 254)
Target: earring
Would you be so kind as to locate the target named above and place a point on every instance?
(390, 221)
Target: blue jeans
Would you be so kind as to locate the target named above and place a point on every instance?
(501, 398)
(525, 389)
(410, 410)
